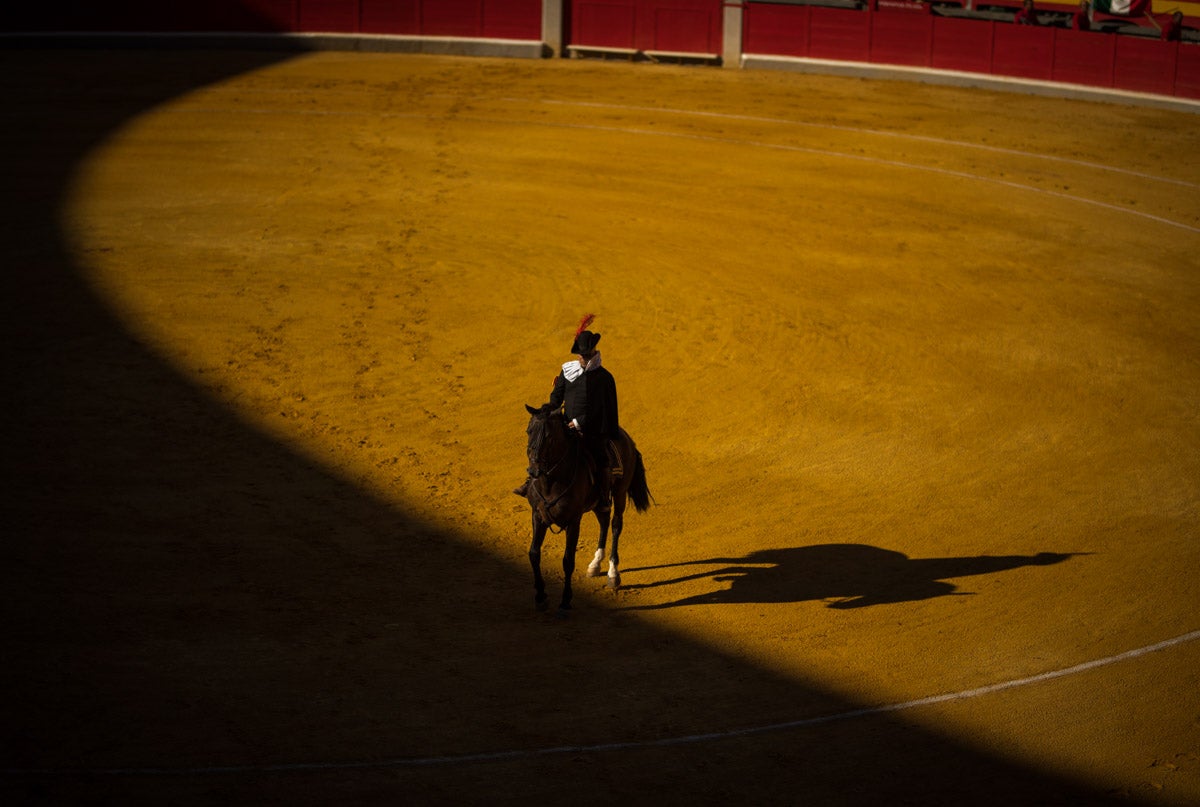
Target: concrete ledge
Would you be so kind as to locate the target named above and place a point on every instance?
(633, 54)
(536, 49)
(434, 45)
(603, 50)
(681, 56)
(954, 78)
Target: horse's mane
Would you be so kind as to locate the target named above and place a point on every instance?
(540, 425)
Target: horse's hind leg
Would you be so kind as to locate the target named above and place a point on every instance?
(594, 569)
(618, 523)
(535, 560)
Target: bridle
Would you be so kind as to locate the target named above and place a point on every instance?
(537, 446)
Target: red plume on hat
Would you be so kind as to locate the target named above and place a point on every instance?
(585, 340)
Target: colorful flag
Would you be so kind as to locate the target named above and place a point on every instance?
(1122, 8)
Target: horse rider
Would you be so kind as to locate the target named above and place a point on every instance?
(586, 392)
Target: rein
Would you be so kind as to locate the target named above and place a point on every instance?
(545, 504)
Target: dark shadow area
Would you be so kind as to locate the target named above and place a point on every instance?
(845, 575)
(181, 592)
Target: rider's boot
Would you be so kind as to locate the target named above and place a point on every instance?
(523, 491)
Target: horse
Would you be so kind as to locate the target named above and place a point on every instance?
(562, 489)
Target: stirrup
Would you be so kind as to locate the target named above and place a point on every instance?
(614, 460)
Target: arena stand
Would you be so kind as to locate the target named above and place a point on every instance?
(940, 38)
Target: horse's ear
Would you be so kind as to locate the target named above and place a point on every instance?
(531, 410)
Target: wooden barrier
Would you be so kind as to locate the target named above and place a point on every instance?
(491, 19)
(964, 45)
(1145, 65)
(1083, 58)
(1022, 50)
(883, 32)
(888, 36)
(682, 28)
(1187, 72)
(902, 38)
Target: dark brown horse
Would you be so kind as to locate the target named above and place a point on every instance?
(562, 488)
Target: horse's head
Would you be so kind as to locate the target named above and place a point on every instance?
(545, 434)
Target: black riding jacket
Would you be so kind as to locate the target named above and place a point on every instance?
(590, 400)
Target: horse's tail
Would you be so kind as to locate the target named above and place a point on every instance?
(639, 493)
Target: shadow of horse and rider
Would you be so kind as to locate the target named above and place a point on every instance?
(843, 576)
(561, 489)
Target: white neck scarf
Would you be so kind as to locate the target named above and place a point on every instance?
(573, 369)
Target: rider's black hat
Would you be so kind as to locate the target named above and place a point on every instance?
(585, 341)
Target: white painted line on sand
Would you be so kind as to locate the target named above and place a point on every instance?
(758, 144)
(631, 745)
(938, 141)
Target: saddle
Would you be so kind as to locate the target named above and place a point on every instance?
(614, 468)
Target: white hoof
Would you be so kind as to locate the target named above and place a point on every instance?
(614, 577)
(597, 562)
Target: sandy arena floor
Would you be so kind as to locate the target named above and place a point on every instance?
(914, 371)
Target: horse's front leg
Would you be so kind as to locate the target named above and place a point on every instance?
(595, 567)
(572, 543)
(535, 560)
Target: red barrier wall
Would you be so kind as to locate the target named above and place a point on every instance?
(604, 23)
(1083, 58)
(838, 33)
(1022, 51)
(974, 46)
(327, 15)
(891, 35)
(1144, 65)
(777, 30)
(389, 16)
(901, 38)
(1187, 72)
(683, 26)
(961, 45)
(492, 19)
